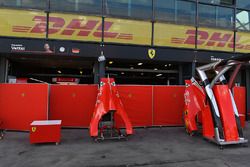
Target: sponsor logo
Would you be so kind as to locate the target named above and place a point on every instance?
(151, 53)
(186, 112)
(102, 84)
(78, 27)
(186, 124)
(23, 94)
(75, 50)
(215, 39)
(33, 129)
(215, 58)
(82, 28)
(101, 58)
(17, 47)
(62, 49)
(73, 94)
(187, 97)
(60, 79)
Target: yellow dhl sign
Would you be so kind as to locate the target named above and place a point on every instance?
(19, 23)
(65, 26)
(73, 27)
(207, 38)
(22, 23)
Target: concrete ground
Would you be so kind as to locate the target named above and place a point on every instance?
(152, 147)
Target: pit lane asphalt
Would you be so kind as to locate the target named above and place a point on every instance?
(148, 147)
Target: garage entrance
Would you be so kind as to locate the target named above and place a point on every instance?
(54, 70)
(147, 72)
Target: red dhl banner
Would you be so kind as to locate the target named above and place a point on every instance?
(22, 23)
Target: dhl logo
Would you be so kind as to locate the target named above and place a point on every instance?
(215, 39)
(80, 27)
(92, 28)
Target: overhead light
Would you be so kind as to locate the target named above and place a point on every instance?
(131, 67)
(170, 65)
(158, 75)
(111, 62)
(155, 69)
(81, 72)
(166, 65)
(59, 71)
(139, 64)
(122, 73)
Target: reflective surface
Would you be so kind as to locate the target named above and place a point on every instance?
(182, 12)
(88, 6)
(215, 16)
(129, 8)
(242, 20)
(220, 2)
(36, 4)
(243, 4)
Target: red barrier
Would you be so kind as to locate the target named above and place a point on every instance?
(240, 100)
(20, 104)
(168, 105)
(137, 101)
(73, 104)
(224, 102)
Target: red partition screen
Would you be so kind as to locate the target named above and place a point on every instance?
(168, 105)
(20, 104)
(137, 101)
(240, 100)
(73, 104)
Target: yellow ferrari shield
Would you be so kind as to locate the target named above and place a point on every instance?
(33, 129)
(151, 53)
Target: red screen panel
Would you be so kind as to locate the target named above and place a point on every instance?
(20, 104)
(73, 104)
(240, 100)
(137, 101)
(168, 105)
(224, 102)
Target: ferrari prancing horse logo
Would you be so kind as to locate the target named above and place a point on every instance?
(151, 53)
(33, 129)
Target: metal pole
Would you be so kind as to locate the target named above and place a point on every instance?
(248, 91)
(193, 68)
(180, 74)
(102, 63)
(3, 70)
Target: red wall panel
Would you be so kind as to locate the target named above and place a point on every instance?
(240, 100)
(73, 104)
(137, 101)
(20, 104)
(168, 105)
